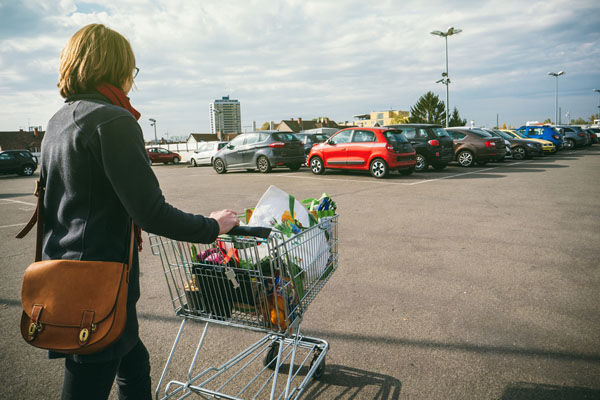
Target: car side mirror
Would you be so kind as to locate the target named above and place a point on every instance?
(331, 142)
(230, 146)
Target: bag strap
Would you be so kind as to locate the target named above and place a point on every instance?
(38, 217)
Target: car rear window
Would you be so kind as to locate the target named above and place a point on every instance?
(440, 132)
(395, 136)
(286, 137)
(481, 133)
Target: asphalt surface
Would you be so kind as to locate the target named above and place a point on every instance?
(479, 283)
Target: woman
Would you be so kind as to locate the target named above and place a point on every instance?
(97, 179)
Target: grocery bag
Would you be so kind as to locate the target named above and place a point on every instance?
(312, 247)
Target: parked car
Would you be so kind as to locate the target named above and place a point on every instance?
(20, 162)
(158, 154)
(205, 153)
(377, 150)
(574, 136)
(262, 150)
(311, 139)
(520, 149)
(543, 132)
(473, 145)
(433, 145)
(547, 146)
(593, 134)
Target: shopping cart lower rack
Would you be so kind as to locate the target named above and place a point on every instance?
(262, 285)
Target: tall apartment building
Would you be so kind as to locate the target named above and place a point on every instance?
(381, 118)
(225, 116)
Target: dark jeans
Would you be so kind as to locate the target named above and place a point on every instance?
(94, 381)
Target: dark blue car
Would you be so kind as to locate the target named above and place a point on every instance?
(543, 132)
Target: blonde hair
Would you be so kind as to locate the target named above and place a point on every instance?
(94, 55)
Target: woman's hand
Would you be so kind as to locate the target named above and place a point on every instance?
(227, 219)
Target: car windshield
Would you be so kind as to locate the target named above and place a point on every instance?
(395, 136)
(440, 132)
(521, 134)
(481, 133)
(286, 137)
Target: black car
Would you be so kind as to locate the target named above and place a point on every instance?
(593, 132)
(310, 139)
(519, 148)
(262, 150)
(431, 142)
(20, 162)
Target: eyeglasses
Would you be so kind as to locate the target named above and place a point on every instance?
(136, 71)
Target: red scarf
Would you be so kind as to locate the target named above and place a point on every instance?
(118, 98)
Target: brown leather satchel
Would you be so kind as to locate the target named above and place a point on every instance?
(73, 307)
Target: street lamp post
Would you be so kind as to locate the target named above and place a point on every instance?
(598, 91)
(153, 123)
(446, 80)
(556, 75)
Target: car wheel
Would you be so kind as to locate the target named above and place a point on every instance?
(316, 166)
(378, 168)
(519, 153)
(407, 172)
(175, 160)
(27, 170)
(219, 166)
(294, 167)
(570, 144)
(263, 164)
(465, 159)
(194, 163)
(421, 164)
(438, 167)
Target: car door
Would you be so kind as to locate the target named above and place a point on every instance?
(335, 150)
(7, 162)
(249, 149)
(233, 151)
(458, 140)
(200, 153)
(163, 155)
(360, 148)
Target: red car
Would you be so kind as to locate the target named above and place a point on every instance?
(158, 154)
(378, 150)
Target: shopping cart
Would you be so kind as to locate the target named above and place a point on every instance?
(259, 284)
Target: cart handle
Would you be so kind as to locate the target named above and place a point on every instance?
(256, 231)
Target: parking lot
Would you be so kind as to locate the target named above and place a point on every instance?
(468, 283)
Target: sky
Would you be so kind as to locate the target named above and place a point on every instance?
(325, 58)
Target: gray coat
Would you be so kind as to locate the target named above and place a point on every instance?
(97, 178)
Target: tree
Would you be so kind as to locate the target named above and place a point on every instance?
(428, 109)
(579, 121)
(265, 126)
(400, 119)
(455, 119)
(547, 121)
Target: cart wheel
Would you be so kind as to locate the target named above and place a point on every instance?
(271, 355)
(320, 369)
